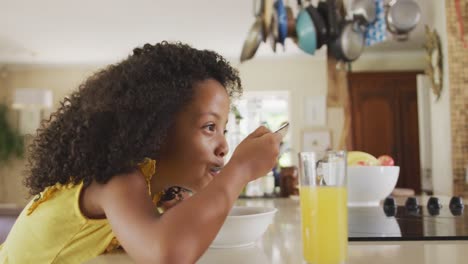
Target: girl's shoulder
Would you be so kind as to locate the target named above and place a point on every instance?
(129, 184)
(137, 180)
(134, 181)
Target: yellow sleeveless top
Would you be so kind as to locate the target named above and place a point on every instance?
(52, 228)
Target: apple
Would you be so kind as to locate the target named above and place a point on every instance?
(386, 160)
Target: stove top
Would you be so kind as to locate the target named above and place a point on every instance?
(410, 222)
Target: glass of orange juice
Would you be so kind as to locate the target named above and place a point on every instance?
(324, 212)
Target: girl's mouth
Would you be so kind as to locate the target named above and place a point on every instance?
(215, 170)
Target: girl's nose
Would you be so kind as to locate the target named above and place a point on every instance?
(223, 148)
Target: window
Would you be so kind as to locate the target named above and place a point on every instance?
(269, 108)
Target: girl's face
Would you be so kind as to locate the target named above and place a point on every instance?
(196, 145)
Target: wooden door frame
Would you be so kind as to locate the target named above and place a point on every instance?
(377, 74)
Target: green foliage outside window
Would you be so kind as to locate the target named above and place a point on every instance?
(11, 142)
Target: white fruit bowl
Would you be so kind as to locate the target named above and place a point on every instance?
(243, 226)
(368, 185)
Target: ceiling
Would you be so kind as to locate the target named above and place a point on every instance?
(103, 31)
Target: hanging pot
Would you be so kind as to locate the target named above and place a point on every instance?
(282, 21)
(291, 24)
(349, 44)
(320, 26)
(402, 17)
(267, 12)
(253, 40)
(327, 10)
(273, 37)
(306, 32)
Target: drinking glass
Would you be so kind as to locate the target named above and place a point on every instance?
(324, 211)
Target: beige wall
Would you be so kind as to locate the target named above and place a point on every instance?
(390, 61)
(440, 116)
(61, 80)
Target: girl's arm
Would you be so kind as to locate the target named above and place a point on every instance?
(184, 233)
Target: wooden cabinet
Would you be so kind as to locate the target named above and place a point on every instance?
(384, 116)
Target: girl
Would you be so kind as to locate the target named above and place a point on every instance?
(136, 134)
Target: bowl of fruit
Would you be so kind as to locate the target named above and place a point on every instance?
(370, 179)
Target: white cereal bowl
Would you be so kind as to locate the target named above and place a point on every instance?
(368, 185)
(243, 226)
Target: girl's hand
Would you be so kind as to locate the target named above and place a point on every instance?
(258, 152)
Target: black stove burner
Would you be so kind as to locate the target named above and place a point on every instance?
(409, 222)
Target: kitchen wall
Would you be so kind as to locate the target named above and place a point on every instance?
(457, 56)
(61, 80)
(440, 114)
(390, 61)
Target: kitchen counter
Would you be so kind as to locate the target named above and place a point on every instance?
(282, 244)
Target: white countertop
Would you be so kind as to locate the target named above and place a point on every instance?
(282, 244)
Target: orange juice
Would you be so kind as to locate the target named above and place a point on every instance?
(324, 224)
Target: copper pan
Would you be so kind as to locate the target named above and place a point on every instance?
(291, 23)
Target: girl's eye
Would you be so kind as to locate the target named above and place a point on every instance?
(210, 127)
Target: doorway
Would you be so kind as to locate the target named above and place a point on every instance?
(384, 114)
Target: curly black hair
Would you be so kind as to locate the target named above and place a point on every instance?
(121, 114)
